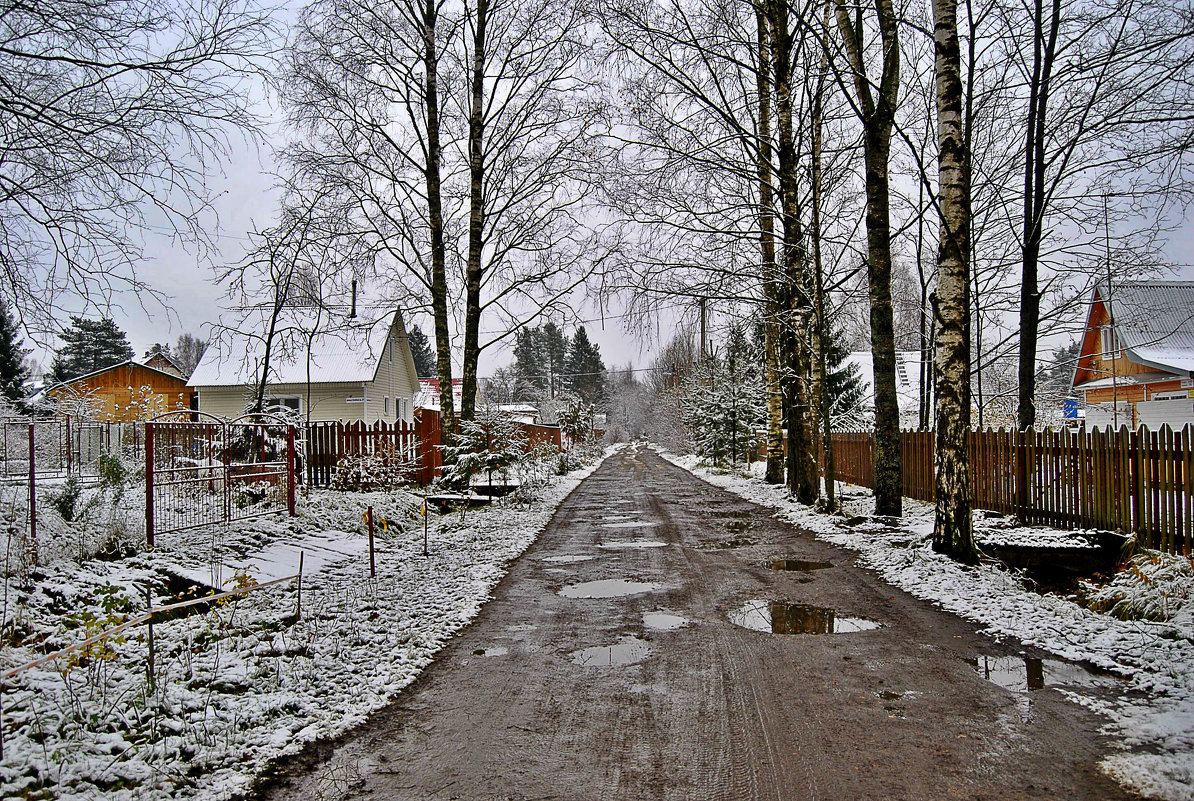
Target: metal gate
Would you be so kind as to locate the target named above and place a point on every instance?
(201, 470)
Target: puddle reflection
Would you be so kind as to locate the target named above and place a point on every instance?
(627, 651)
(608, 588)
(802, 565)
(782, 617)
(1026, 673)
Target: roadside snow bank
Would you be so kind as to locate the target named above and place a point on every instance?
(1155, 718)
(241, 683)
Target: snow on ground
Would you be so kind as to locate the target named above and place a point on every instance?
(243, 682)
(1154, 717)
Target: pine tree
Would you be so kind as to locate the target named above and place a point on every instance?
(845, 385)
(528, 360)
(13, 372)
(423, 353)
(89, 345)
(585, 368)
(555, 346)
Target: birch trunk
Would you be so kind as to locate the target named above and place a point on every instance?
(772, 288)
(952, 532)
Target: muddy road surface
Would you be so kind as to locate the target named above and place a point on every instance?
(646, 648)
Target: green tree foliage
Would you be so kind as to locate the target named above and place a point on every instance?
(423, 353)
(490, 443)
(13, 372)
(725, 406)
(87, 346)
(576, 419)
(848, 392)
(540, 360)
(584, 368)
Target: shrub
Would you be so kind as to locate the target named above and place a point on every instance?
(375, 471)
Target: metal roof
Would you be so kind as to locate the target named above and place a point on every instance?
(1154, 322)
(343, 351)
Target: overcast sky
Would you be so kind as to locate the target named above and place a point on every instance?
(245, 198)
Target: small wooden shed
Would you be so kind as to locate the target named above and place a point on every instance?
(123, 393)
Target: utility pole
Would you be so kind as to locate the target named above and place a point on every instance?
(703, 299)
(1110, 321)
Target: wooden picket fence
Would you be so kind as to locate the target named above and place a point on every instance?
(417, 445)
(1139, 482)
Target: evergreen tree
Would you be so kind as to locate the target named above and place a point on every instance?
(724, 403)
(585, 368)
(157, 348)
(13, 372)
(423, 353)
(89, 345)
(555, 346)
(528, 360)
(848, 392)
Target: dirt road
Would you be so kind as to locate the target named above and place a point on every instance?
(558, 693)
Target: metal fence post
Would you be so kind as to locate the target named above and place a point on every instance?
(68, 445)
(290, 469)
(149, 484)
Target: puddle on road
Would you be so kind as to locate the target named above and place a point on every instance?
(630, 524)
(801, 565)
(617, 545)
(664, 621)
(627, 651)
(1024, 673)
(782, 617)
(608, 588)
(497, 650)
(567, 558)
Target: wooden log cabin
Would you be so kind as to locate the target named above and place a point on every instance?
(121, 393)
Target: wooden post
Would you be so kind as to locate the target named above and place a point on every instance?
(298, 605)
(149, 484)
(372, 565)
(290, 469)
(68, 445)
(425, 552)
(32, 495)
(150, 673)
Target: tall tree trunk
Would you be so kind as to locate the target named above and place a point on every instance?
(772, 286)
(435, 215)
(1043, 54)
(476, 220)
(802, 475)
(820, 330)
(952, 532)
(878, 116)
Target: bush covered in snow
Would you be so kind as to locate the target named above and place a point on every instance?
(1151, 586)
(386, 469)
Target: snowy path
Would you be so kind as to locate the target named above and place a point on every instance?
(693, 670)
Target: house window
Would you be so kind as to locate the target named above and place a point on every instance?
(1175, 395)
(390, 345)
(1108, 343)
(283, 403)
(385, 404)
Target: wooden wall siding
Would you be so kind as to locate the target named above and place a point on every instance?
(1139, 482)
(111, 387)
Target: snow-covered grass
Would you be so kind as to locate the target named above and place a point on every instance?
(243, 682)
(1153, 720)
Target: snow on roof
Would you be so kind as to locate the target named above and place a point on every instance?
(428, 394)
(1154, 322)
(907, 376)
(342, 351)
(102, 370)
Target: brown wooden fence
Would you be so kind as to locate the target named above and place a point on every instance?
(1131, 481)
(417, 444)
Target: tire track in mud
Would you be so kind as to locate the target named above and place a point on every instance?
(714, 711)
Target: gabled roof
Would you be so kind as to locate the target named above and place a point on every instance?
(344, 350)
(102, 370)
(1154, 322)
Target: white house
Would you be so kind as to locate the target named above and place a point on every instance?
(907, 384)
(357, 369)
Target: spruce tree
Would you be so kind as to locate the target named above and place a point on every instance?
(89, 345)
(585, 368)
(13, 372)
(423, 353)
